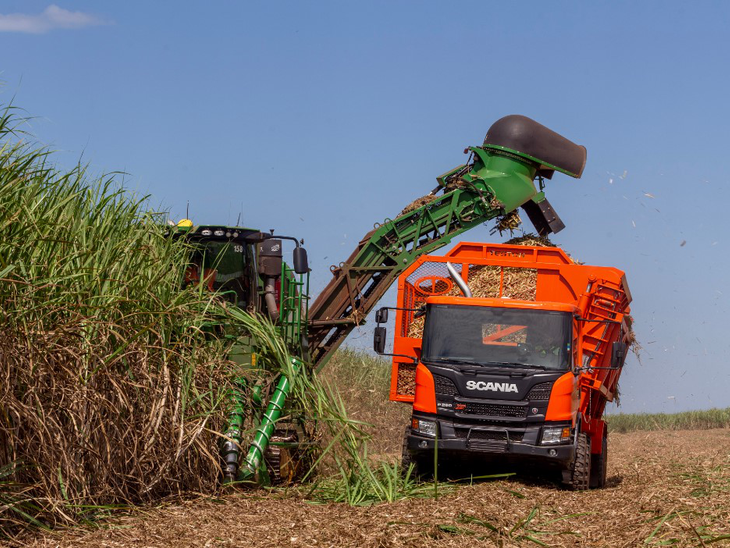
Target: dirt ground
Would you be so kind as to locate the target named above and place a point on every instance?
(664, 488)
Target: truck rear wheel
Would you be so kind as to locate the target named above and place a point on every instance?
(580, 469)
(598, 467)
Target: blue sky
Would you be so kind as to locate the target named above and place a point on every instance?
(321, 118)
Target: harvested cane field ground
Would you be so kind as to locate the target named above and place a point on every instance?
(665, 487)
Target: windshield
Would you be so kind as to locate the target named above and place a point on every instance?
(481, 335)
(223, 267)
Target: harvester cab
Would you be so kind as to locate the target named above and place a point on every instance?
(246, 268)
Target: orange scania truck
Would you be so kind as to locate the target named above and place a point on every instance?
(509, 352)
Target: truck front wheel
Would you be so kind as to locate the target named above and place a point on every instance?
(421, 467)
(580, 469)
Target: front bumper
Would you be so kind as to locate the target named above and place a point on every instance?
(485, 442)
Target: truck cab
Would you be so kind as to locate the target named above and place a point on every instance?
(486, 374)
(510, 379)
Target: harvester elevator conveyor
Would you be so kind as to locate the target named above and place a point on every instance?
(498, 179)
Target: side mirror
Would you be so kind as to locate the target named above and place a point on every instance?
(379, 336)
(618, 354)
(301, 263)
(381, 316)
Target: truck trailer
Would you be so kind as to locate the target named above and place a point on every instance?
(509, 353)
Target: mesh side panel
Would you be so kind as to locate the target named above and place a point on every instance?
(409, 301)
(415, 328)
(429, 279)
(431, 269)
(406, 379)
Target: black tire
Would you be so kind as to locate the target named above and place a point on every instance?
(598, 466)
(421, 468)
(407, 459)
(580, 469)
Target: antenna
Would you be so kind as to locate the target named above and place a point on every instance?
(238, 221)
(187, 210)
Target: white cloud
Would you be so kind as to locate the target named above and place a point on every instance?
(51, 18)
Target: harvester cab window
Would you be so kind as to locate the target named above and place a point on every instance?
(497, 336)
(224, 267)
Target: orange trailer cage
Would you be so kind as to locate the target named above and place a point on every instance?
(599, 293)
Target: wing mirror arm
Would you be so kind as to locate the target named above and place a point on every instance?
(380, 334)
(381, 315)
(618, 358)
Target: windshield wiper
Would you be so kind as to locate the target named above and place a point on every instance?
(533, 365)
(452, 360)
(483, 364)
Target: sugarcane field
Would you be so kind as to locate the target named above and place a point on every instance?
(364, 275)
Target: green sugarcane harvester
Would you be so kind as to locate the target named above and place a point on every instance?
(246, 267)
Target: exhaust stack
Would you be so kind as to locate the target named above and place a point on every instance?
(458, 280)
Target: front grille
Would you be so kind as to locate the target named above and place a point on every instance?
(488, 446)
(444, 386)
(495, 410)
(488, 435)
(540, 391)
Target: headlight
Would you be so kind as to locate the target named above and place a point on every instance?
(426, 428)
(553, 435)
